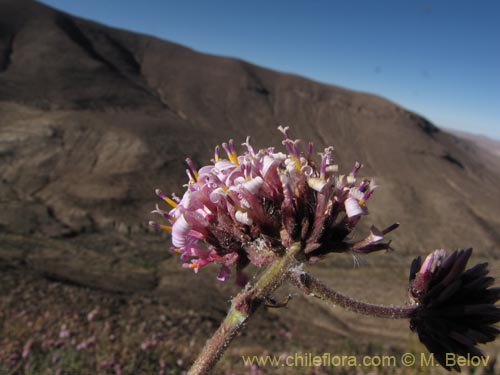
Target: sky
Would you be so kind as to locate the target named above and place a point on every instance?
(438, 58)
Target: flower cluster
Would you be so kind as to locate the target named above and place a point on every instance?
(249, 208)
(455, 307)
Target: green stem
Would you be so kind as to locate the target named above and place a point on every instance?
(312, 286)
(242, 307)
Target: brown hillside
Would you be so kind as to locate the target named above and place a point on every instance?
(93, 119)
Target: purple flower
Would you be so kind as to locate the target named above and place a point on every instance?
(249, 208)
(87, 343)
(91, 315)
(64, 332)
(456, 307)
(27, 348)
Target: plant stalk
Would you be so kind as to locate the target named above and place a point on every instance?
(242, 307)
(314, 287)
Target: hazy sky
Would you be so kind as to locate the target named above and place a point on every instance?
(438, 58)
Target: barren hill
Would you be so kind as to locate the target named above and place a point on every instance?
(489, 144)
(93, 119)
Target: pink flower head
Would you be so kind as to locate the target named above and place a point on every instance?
(247, 208)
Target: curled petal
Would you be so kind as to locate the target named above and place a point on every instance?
(307, 169)
(271, 162)
(253, 185)
(217, 195)
(242, 217)
(332, 168)
(352, 207)
(317, 184)
(356, 194)
(223, 165)
(180, 230)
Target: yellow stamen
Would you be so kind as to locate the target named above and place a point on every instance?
(170, 202)
(233, 158)
(298, 164)
(177, 250)
(166, 228)
(361, 202)
(193, 265)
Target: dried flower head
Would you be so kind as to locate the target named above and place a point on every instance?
(248, 208)
(456, 307)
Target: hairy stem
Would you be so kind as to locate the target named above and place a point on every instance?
(314, 287)
(242, 307)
